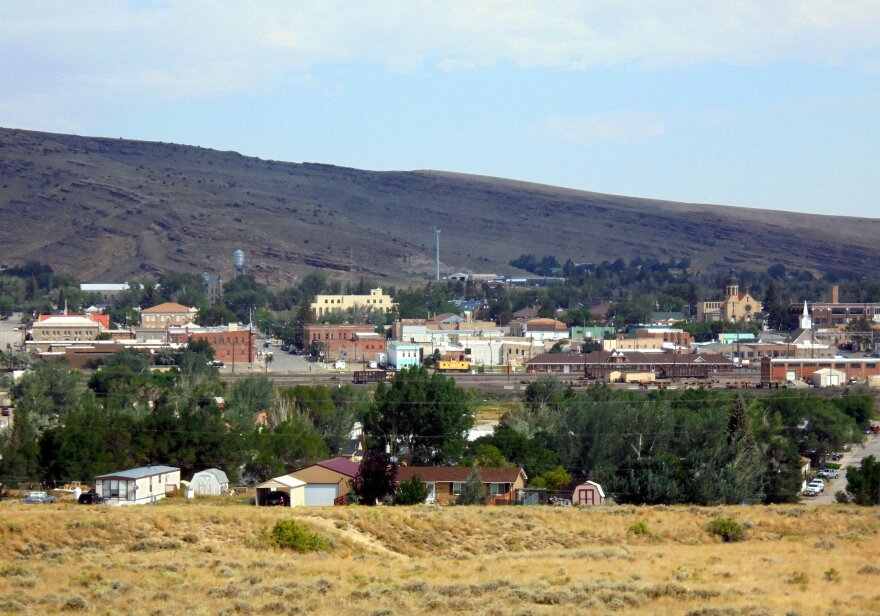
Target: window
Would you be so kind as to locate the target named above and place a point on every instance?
(497, 488)
(456, 487)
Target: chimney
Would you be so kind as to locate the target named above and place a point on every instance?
(835, 294)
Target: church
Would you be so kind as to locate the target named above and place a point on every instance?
(736, 306)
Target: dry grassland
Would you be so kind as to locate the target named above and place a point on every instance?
(212, 557)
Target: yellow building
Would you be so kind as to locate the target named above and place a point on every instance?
(737, 305)
(63, 327)
(328, 304)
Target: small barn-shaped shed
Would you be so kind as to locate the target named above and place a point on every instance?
(210, 482)
(292, 486)
(588, 493)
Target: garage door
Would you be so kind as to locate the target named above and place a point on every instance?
(321, 493)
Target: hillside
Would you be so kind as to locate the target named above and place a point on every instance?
(215, 558)
(112, 209)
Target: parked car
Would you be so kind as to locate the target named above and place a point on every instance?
(829, 473)
(34, 498)
(817, 484)
(91, 498)
(810, 492)
(217, 364)
(277, 499)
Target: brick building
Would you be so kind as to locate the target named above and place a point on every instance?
(351, 342)
(232, 344)
(799, 369)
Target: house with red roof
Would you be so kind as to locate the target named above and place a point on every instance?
(444, 483)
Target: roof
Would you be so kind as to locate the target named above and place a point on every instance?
(216, 472)
(285, 481)
(139, 473)
(343, 466)
(167, 307)
(546, 325)
(48, 320)
(103, 286)
(596, 485)
(459, 474)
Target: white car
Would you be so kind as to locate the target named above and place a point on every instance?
(817, 484)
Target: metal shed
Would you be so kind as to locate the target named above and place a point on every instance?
(290, 485)
(210, 482)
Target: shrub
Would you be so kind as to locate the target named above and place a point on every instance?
(473, 492)
(412, 492)
(289, 535)
(640, 528)
(729, 530)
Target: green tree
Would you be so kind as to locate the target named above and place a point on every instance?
(423, 417)
(290, 445)
(249, 396)
(411, 492)
(213, 316)
(554, 479)
(863, 482)
(473, 492)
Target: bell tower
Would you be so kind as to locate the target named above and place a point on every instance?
(732, 286)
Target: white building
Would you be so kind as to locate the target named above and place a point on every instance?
(210, 482)
(138, 486)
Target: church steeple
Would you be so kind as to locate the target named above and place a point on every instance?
(732, 287)
(806, 321)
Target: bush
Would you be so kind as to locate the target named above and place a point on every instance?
(641, 529)
(729, 530)
(412, 492)
(473, 492)
(289, 535)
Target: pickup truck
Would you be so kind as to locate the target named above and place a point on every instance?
(828, 473)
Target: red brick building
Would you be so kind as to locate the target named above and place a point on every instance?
(351, 342)
(231, 345)
(798, 369)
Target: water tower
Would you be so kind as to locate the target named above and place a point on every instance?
(238, 261)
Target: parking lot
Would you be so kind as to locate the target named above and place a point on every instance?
(851, 458)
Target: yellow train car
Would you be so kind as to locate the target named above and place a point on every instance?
(446, 365)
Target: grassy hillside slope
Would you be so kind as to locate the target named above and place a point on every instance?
(199, 558)
(110, 209)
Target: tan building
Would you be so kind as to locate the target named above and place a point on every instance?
(167, 315)
(326, 481)
(736, 306)
(328, 304)
(67, 328)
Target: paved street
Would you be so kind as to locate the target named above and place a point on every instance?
(9, 335)
(851, 458)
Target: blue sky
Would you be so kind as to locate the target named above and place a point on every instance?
(753, 103)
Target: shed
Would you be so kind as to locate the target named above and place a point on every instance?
(210, 482)
(588, 493)
(828, 377)
(292, 486)
(138, 486)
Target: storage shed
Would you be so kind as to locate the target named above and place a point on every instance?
(588, 493)
(828, 377)
(292, 486)
(210, 482)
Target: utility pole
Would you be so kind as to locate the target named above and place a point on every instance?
(437, 250)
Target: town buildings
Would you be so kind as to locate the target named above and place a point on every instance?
(232, 344)
(736, 305)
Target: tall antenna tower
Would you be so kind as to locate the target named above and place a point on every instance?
(437, 237)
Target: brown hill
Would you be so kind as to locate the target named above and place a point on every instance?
(111, 209)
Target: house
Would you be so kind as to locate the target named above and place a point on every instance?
(540, 329)
(327, 480)
(735, 306)
(293, 487)
(588, 493)
(210, 482)
(445, 482)
(138, 486)
(403, 355)
(330, 304)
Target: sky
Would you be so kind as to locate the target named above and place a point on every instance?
(758, 103)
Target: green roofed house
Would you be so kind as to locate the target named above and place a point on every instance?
(138, 486)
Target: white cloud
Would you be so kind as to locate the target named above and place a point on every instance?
(623, 125)
(203, 47)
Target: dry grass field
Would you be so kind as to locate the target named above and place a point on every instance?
(214, 557)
